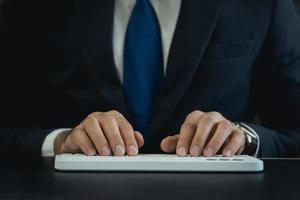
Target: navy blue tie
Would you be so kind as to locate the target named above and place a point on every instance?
(143, 63)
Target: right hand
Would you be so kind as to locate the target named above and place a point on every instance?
(103, 133)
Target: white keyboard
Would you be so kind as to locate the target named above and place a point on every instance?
(157, 162)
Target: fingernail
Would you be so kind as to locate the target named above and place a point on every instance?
(91, 152)
(120, 150)
(181, 151)
(227, 153)
(132, 150)
(105, 151)
(208, 152)
(195, 151)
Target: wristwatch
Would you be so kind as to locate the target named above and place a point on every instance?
(252, 139)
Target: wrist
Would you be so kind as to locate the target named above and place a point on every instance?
(251, 139)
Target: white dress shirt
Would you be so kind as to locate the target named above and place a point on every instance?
(167, 12)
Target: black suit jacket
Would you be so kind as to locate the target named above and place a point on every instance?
(238, 57)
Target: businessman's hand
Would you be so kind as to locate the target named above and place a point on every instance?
(205, 134)
(102, 133)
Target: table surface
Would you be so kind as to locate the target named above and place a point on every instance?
(25, 180)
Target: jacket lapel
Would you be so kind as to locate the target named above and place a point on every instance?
(96, 30)
(195, 26)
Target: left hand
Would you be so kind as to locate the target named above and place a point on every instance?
(206, 134)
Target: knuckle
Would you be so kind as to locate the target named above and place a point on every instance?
(183, 138)
(238, 138)
(130, 141)
(214, 144)
(227, 147)
(75, 138)
(187, 126)
(88, 122)
(208, 118)
(204, 122)
(129, 126)
(105, 144)
(189, 117)
(215, 114)
(198, 141)
(129, 137)
(193, 114)
(94, 114)
(225, 124)
(77, 130)
(216, 147)
(128, 129)
(241, 135)
(238, 132)
(115, 138)
(204, 126)
(115, 113)
(107, 119)
(125, 124)
(102, 143)
(196, 112)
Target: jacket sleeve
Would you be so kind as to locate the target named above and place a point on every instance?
(276, 77)
(19, 99)
(22, 142)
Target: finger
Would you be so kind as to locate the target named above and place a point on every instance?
(187, 133)
(111, 131)
(204, 128)
(94, 131)
(223, 131)
(80, 138)
(235, 145)
(169, 144)
(139, 139)
(128, 136)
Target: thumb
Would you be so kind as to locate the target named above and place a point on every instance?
(169, 144)
(64, 144)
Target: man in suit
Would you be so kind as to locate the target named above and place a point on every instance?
(130, 76)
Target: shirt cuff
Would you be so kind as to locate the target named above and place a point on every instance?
(48, 144)
(257, 136)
